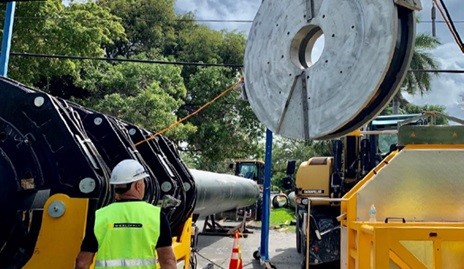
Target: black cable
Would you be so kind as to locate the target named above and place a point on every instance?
(452, 24)
(198, 253)
(56, 56)
(453, 71)
(181, 20)
(439, 21)
(193, 259)
(215, 20)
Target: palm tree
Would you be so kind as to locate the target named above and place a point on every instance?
(421, 59)
(418, 82)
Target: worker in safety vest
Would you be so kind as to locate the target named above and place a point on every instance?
(127, 232)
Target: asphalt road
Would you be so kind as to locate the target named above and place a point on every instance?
(216, 250)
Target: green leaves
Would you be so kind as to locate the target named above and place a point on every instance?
(148, 24)
(144, 94)
(151, 108)
(419, 82)
(48, 27)
(225, 128)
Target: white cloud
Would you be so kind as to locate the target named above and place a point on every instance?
(447, 87)
(222, 10)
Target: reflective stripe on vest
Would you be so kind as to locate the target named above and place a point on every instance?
(125, 262)
(127, 233)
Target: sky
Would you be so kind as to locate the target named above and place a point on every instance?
(446, 88)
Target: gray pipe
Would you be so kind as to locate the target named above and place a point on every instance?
(222, 192)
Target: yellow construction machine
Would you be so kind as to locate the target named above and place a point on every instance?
(252, 169)
(331, 177)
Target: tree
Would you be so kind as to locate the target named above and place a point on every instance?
(227, 129)
(415, 109)
(149, 25)
(144, 94)
(153, 27)
(415, 82)
(420, 81)
(48, 27)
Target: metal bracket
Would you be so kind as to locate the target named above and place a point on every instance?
(410, 4)
(309, 10)
(304, 99)
(297, 79)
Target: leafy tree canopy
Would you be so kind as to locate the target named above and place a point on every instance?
(227, 128)
(415, 109)
(146, 95)
(419, 82)
(149, 24)
(48, 27)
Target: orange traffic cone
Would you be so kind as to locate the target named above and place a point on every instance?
(236, 258)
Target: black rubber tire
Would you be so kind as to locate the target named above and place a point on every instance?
(256, 255)
(259, 209)
(298, 240)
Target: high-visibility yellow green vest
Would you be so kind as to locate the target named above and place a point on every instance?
(127, 233)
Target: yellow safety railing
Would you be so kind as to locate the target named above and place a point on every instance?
(407, 245)
(380, 245)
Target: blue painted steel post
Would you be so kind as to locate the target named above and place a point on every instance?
(264, 249)
(6, 39)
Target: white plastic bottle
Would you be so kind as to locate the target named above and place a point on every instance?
(372, 214)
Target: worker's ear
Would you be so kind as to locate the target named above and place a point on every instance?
(137, 185)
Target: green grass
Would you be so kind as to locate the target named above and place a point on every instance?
(282, 217)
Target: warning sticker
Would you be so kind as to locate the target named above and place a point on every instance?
(313, 191)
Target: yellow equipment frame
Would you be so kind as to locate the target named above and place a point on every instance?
(407, 245)
(396, 244)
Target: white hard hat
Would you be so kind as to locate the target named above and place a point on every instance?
(127, 171)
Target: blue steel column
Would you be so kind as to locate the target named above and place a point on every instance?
(6, 39)
(264, 249)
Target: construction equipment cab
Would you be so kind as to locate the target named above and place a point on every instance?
(251, 169)
(254, 170)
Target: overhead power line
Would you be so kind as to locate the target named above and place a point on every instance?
(146, 61)
(81, 58)
(449, 22)
(181, 20)
(439, 21)
(454, 71)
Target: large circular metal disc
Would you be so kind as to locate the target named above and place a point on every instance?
(299, 99)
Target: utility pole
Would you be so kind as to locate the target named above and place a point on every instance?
(434, 17)
(264, 246)
(6, 39)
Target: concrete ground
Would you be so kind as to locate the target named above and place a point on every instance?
(216, 250)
